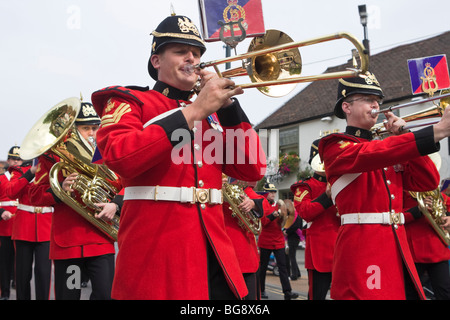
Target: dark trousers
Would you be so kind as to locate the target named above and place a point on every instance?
(253, 286)
(291, 260)
(439, 276)
(318, 284)
(99, 269)
(25, 252)
(280, 257)
(217, 284)
(6, 265)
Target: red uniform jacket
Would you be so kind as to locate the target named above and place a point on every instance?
(244, 241)
(72, 236)
(163, 244)
(6, 226)
(271, 236)
(314, 206)
(368, 259)
(424, 242)
(28, 226)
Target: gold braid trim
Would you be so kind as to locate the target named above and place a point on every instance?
(357, 85)
(177, 35)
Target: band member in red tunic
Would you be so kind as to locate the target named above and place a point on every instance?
(75, 245)
(31, 235)
(429, 252)
(372, 259)
(271, 240)
(244, 241)
(312, 200)
(170, 153)
(8, 209)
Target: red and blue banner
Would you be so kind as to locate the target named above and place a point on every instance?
(213, 11)
(429, 74)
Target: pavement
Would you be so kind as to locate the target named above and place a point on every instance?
(273, 285)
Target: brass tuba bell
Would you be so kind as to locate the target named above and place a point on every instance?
(95, 183)
(232, 193)
(434, 216)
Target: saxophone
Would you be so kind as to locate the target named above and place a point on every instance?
(434, 216)
(247, 220)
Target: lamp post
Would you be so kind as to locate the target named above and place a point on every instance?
(363, 18)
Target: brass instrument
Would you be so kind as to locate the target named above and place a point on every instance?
(438, 210)
(95, 183)
(274, 60)
(290, 214)
(232, 193)
(431, 112)
(317, 165)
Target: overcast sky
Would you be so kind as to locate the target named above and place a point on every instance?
(55, 49)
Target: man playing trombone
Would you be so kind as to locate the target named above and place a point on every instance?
(372, 259)
(172, 239)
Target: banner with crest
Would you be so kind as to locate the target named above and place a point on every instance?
(235, 19)
(429, 74)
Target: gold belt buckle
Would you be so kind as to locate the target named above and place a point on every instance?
(395, 218)
(202, 195)
(37, 209)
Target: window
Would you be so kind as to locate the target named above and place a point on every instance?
(288, 140)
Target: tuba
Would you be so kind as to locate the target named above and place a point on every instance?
(95, 183)
(232, 194)
(434, 216)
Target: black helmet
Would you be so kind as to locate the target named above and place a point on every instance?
(14, 153)
(363, 84)
(87, 115)
(270, 187)
(174, 29)
(314, 150)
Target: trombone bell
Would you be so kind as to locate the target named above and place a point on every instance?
(273, 66)
(274, 60)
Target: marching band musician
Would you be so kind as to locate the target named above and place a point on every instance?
(244, 241)
(75, 241)
(313, 202)
(271, 240)
(8, 209)
(372, 259)
(31, 236)
(171, 180)
(430, 254)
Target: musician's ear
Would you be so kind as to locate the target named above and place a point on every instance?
(345, 107)
(155, 60)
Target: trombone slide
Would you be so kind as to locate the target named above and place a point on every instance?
(352, 72)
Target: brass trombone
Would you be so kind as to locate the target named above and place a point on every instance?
(431, 112)
(274, 59)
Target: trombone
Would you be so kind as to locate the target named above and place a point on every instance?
(274, 60)
(431, 112)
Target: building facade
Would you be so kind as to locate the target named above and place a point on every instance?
(309, 114)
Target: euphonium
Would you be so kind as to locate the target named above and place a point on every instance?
(434, 216)
(247, 220)
(95, 183)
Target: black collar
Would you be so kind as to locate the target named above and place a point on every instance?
(172, 92)
(359, 133)
(319, 177)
